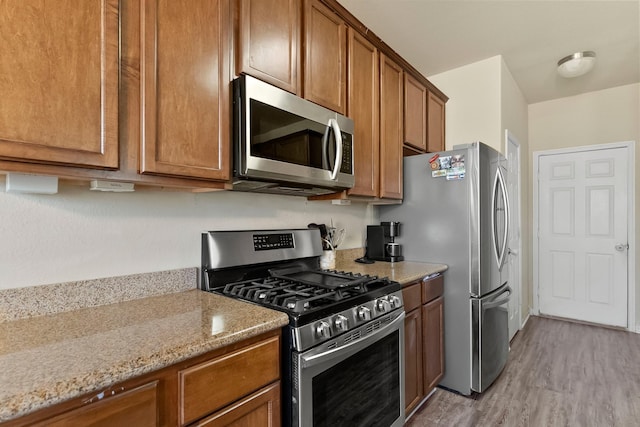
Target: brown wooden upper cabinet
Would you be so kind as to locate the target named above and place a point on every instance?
(415, 113)
(59, 82)
(268, 42)
(325, 57)
(391, 128)
(185, 89)
(436, 123)
(423, 118)
(375, 104)
(299, 46)
(364, 109)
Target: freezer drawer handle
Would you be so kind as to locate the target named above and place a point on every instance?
(498, 301)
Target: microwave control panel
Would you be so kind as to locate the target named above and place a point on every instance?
(347, 157)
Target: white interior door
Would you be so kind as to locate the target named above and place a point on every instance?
(514, 244)
(582, 236)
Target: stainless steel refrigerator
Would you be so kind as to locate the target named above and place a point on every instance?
(455, 211)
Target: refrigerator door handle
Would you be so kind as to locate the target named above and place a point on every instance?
(507, 224)
(497, 302)
(499, 251)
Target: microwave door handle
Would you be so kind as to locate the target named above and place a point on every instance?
(337, 134)
(325, 148)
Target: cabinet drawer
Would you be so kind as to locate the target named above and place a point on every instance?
(211, 385)
(432, 288)
(411, 297)
(136, 407)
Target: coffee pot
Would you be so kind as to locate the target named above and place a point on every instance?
(381, 245)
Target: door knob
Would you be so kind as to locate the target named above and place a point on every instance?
(512, 251)
(621, 247)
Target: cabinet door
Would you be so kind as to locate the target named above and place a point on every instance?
(364, 110)
(259, 409)
(432, 341)
(415, 113)
(59, 82)
(436, 124)
(325, 60)
(269, 41)
(258, 363)
(391, 122)
(185, 88)
(413, 377)
(137, 407)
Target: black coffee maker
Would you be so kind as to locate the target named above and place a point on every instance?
(381, 245)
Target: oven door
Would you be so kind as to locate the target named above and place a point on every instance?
(356, 379)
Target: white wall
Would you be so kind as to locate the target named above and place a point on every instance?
(473, 110)
(611, 115)
(79, 234)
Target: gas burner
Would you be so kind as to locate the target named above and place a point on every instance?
(299, 296)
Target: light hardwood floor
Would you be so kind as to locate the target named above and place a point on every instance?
(559, 373)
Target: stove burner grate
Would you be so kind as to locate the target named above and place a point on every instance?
(293, 295)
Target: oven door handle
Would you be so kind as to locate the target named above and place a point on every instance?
(354, 346)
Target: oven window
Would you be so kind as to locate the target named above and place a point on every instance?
(363, 390)
(286, 137)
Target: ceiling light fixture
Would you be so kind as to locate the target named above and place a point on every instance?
(577, 64)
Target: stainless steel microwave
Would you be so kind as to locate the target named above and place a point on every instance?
(287, 145)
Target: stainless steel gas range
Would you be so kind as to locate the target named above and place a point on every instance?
(343, 349)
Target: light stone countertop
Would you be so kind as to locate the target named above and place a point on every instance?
(47, 359)
(404, 272)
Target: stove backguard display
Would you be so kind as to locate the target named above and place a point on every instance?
(264, 242)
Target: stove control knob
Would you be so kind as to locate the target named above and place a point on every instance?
(364, 313)
(383, 305)
(341, 323)
(323, 330)
(394, 301)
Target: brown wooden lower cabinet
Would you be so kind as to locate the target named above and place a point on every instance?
(238, 385)
(137, 407)
(424, 335)
(261, 409)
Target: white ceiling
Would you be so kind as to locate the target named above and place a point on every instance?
(531, 35)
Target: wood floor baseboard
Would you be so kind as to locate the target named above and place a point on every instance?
(582, 322)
